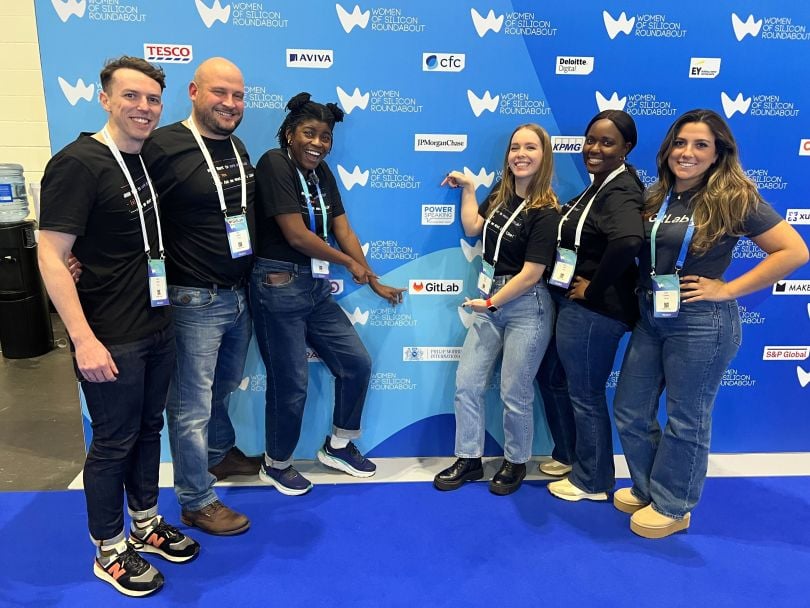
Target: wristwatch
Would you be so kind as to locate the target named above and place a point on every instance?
(490, 306)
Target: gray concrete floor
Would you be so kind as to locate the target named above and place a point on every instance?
(41, 440)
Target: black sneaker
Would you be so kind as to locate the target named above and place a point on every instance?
(164, 540)
(129, 573)
(348, 459)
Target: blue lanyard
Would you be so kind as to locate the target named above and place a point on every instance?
(310, 208)
(687, 238)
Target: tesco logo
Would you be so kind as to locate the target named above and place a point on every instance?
(804, 148)
(167, 53)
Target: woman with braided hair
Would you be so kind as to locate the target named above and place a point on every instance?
(298, 211)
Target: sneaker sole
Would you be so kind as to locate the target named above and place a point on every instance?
(340, 465)
(234, 532)
(627, 507)
(102, 574)
(281, 487)
(556, 472)
(662, 532)
(598, 497)
(445, 486)
(142, 547)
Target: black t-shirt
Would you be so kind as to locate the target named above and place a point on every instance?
(529, 238)
(197, 251)
(669, 237)
(279, 191)
(85, 193)
(615, 214)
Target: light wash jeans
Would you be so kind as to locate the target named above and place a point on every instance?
(212, 328)
(521, 330)
(687, 355)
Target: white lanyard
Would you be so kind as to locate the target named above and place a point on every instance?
(501, 233)
(214, 175)
(584, 216)
(117, 155)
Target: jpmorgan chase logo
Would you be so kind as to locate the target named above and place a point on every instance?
(439, 142)
(381, 19)
(645, 25)
(769, 28)
(381, 178)
(74, 92)
(507, 103)
(390, 101)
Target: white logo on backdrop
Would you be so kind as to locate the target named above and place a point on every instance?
(482, 178)
(365, 248)
(355, 100)
(215, 13)
(614, 26)
(67, 8)
(467, 317)
(73, 93)
(350, 180)
(611, 103)
(749, 27)
(356, 18)
(485, 102)
(485, 24)
(471, 251)
(357, 316)
(803, 376)
(738, 104)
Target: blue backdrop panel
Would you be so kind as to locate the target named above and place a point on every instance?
(434, 86)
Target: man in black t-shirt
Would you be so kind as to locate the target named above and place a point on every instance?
(205, 180)
(97, 200)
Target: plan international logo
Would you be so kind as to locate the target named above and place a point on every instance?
(73, 93)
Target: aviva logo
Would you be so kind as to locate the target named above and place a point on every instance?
(738, 104)
(73, 93)
(217, 12)
(749, 27)
(485, 102)
(611, 103)
(485, 24)
(67, 8)
(482, 178)
(355, 100)
(356, 18)
(355, 178)
(614, 26)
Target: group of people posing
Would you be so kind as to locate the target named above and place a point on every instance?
(184, 249)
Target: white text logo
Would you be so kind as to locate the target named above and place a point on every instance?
(611, 103)
(73, 93)
(217, 12)
(738, 104)
(704, 67)
(749, 27)
(485, 102)
(350, 180)
(355, 100)
(614, 26)
(167, 53)
(67, 8)
(356, 18)
(485, 24)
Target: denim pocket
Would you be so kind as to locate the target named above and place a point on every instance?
(190, 297)
(277, 279)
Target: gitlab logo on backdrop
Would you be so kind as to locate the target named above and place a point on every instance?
(217, 12)
(738, 104)
(356, 18)
(614, 26)
(73, 93)
(485, 102)
(443, 62)
(355, 100)
(485, 24)
(350, 180)
(67, 8)
(749, 27)
(431, 287)
(611, 103)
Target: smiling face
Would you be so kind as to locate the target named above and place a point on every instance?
(309, 142)
(692, 154)
(133, 101)
(218, 98)
(604, 149)
(524, 158)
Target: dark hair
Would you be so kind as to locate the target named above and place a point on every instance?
(301, 108)
(131, 63)
(622, 121)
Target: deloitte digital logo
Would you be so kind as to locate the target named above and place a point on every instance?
(382, 19)
(74, 92)
(167, 53)
(99, 10)
(507, 103)
(636, 104)
(647, 25)
(574, 66)
(431, 287)
(769, 28)
(512, 24)
(770, 106)
(310, 58)
(241, 14)
(381, 178)
(443, 62)
(390, 101)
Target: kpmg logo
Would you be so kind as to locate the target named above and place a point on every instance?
(749, 27)
(73, 93)
(579, 66)
(798, 216)
(439, 142)
(791, 287)
(356, 177)
(611, 103)
(804, 147)
(486, 24)
(434, 287)
(310, 58)
(704, 67)
(567, 144)
(482, 178)
(485, 102)
(621, 24)
(471, 251)
(357, 316)
(167, 53)
(438, 215)
(443, 62)
(355, 100)
(732, 106)
(356, 18)
(66, 9)
(216, 12)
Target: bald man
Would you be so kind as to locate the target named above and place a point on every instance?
(204, 178)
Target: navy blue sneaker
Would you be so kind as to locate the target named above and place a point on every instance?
(287, 481)
(348, 459)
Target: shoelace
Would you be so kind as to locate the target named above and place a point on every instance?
(355, 452)
(213, 508)
(132, 562)
(168, 531)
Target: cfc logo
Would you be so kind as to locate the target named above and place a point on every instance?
(443, 62)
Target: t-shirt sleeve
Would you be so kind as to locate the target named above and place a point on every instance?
(621, 215)
(542, 236)
(67, 195)
(276, 187)
(761, 219)
(334, 192)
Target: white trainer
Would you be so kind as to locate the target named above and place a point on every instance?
(567, 491)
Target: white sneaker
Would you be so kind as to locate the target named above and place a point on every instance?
(567, 491)
(554, 468)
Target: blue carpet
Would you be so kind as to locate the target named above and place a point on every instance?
(410, 545)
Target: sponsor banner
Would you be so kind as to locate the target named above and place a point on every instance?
(388, 249)
(645, 25)
(439, 142)
(567, 144)
(798, 216)
(765, 181)
(767, 105)
(435, 287)
(390, 381)
(379, 178)
(443, 62)
(791, 287)
(310, 58)
(438, 215)
(785, 353)
(509, 103)
(167, 53)
(751, 317)
(769, 28)
(261, 97)
(704, 67)
(397, 19)
(390, 101)
(574, 66)
(636, 104)
(735, 379)
(431, 353)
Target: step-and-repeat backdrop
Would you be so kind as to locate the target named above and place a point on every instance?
(432, 86)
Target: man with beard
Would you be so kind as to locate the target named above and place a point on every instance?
(205, 181)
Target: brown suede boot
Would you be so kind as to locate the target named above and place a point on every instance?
(236, 463)
(216, 519)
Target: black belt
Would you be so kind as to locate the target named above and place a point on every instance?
(219, 286)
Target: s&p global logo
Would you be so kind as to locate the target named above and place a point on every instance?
(443, 62)
(310, 58)
(646, 25)
(167, 53)
(438, 215)
(579, 66)
(435, 287)
(567, 144)
(769, 28)
(704, 67)
(390, 101)
(785, 353)
(65, 9)
(439, 142)
(384, 178)
(74, 92)
(382, 19)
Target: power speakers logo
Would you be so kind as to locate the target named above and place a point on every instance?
(73, 93)
(216, 12)
(443, 62)
(66, 9)
(356, 18)
(732, 106)
(614, 26)
(431, 287)
(749, 27)
(167, 53)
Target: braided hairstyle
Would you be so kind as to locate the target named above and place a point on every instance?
(302, 108)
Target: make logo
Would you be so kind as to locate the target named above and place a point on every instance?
(791, 287)
(357, 316)
(356, 18)
(611, 103)
(738, 104)
(749, 27)
(471, 251)
(310, 58)
(215, 13)
(486, 24)
(355, 100)
(355, 178)
(614, 26)
(73, 93)
(486, 102)
(68, 8)
(167, 53)
(482, 178)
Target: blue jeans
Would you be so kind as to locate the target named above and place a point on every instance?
(687, 355)
(290, 311)
(587, 343)
(213, 334)
(126, 417)
(521, 330)
(553, 387)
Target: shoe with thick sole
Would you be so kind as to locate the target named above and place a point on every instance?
(287, 481)
(565, 490)
(626, 502)
(459, 473)
(129, 573)
(164, 540)
(649, 523)
(554, 468)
